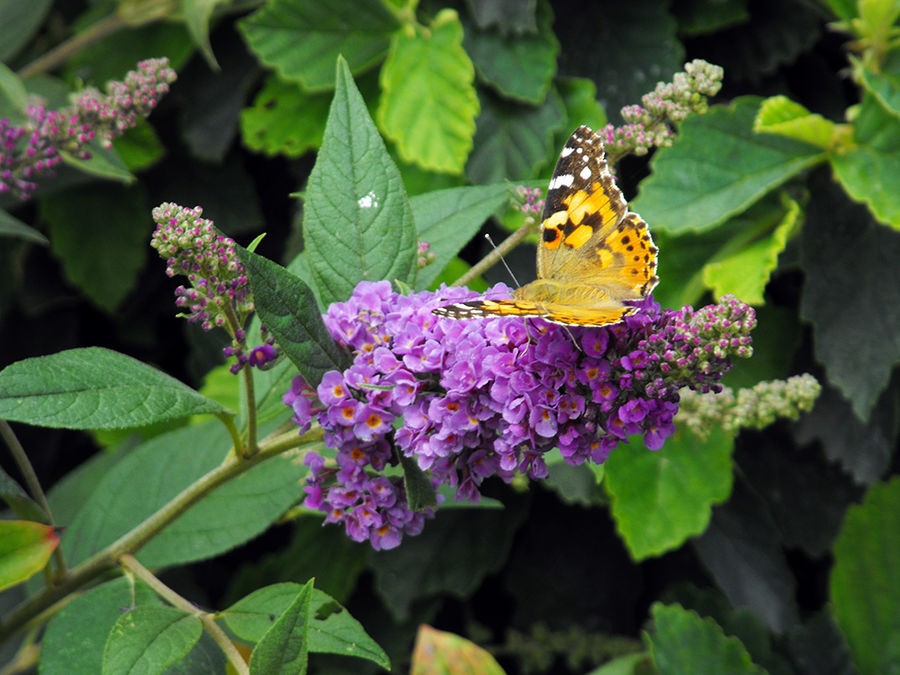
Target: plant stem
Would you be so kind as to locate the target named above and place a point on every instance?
(130, 563)
(65, 50)
(131, 541)
(497, 254)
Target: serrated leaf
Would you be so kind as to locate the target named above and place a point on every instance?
(25, 548)
(781, 116)
(683, 642)
(332, 629)
(95, 388)
(14, 228)
(301, 39)
(150, 639)
(747, 563)
(428, 103)
(284, 119)
(660, 499)
(288, 308)
(870, 171)
(745, 272)
(75, 637)
(18, 23)
(716, 168)
(115, 235)
(843, 248)
(865, 595)
(519, 67)
(151, 475)
(448, 219)
(514, 141)
(285, 646)
(357, 222)
(438, 651)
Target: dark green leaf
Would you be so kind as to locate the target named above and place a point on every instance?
(76, 636)
(508, 16)
(13, 94)
(660, 499)
(150, 639)
(284, 648)
(115, 235)
(94, 388)
(357, 221)
(817, 646)
(139, 148)
(301, 39)
(775, 340)
(579, 96)
(683, 642)
(886, 84)
(15, 228)
(287, 307)
(865, 594)
(284, 119)
(18, 23)
(197, 14)
(154, 473)
(332, 629)
(575, 484)
(420, 492)
(514, 141)
(747, 563)
(699, 17)
(448, 219)
(716, 168)
(18, 500)
(518, 67)
(857, 340)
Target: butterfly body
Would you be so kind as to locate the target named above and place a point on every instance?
(594, 255)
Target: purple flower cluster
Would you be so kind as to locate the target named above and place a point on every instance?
(34, 147)
(473, 399)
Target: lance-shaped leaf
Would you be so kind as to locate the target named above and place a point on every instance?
(285, 646)
(25, 548)
(149, 639)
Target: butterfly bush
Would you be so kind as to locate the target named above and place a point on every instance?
(468, 400)
(36, 146)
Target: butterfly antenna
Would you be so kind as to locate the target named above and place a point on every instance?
(503, 260)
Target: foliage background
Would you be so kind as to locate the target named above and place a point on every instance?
(752, 531)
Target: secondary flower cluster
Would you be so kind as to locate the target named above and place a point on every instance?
(650, 125)
(35, 146)
(472, 399)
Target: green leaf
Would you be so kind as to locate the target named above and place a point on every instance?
(428, 103)
(844, 9)
(25, 548)
(197, 14)
(12, 89)
(857, 341)
(420, 492)
(448, 219)
(576, 484)
(702, 17)
(287, 307)
(745, 272)
(453, 555)
(285, 646)
(103, 163)
(518, 67)
(140, 147)
(94, 388)
(15, 228)
(301, 39)
(660, 499)
(579, 97)
(332, 629)
(514, 141)
(150, 639)
(781, 116)
(509, 16)
(817, 646)
(357, 221)
(683, 642)
(102, 249)
(437, 651)
(158, 470)
(865, 595)
(716, 168)
(885, 86)
(284, 119)
(870, 171)
(18, 23)
(747, 563)
(18, 500)
(75, 637)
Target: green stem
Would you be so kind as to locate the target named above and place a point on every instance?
(34, 486)
(252, 446)
(132, 541)
(130, 563)
(497, 254)
(65, 50)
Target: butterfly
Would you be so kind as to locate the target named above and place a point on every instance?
(594, 255)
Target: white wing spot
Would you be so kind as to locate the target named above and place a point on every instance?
(585, 173)
(368, 201)
(562, 180)
(566, 151)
